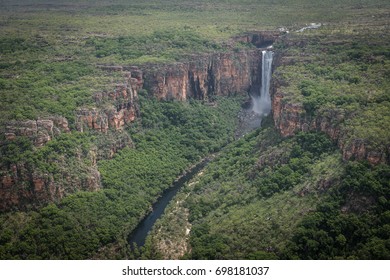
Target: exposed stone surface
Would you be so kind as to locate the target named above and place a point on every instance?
(114, 109)
(359, 149)
(204, 76)
(23, 187)
(290, 117)
(260, 39)
(201, 76)
(38, 131)
(113, 142)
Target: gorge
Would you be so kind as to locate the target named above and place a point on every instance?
(101, 115)
(140, 233)
(261, 106)
(202, 77)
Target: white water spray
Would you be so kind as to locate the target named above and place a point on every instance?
(262, 103)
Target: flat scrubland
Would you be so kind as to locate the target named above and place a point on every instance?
(49, 50)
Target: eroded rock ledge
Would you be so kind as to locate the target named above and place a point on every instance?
(113, 109)
(291, 117)
(25, 186)
(200, 76)
(38, 131)
(205, 76)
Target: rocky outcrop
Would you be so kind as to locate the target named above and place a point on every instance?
(114, 109)
(24, 187)
(290, 117)
(38, 131)
(204, 76)
(201, 76)
(260, 39)
(112, 142)
(359, 149)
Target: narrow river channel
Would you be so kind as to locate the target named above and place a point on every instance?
(249, 118)
(139, 234)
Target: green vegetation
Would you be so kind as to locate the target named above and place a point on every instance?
(263, 197)
(292, 199)
(171, 137)
(353, 223)
(266, 197)
(49, 50)
(343, 79)
(172, 45)
(241, 208)
(64, 145)
(344, 75)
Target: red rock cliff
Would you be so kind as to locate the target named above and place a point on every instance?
(200, 77)
(204, 76)
(38, 131)
(113, 109)
(290, 117)
(25, 186)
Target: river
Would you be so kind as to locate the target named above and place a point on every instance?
(139, 234)
(249, 118)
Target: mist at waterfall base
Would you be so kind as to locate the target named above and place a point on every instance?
(261, 104)
(250, 118)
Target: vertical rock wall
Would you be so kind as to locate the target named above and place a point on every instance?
(113, 109)
(201, 76)
(204, 76)
(290, 117)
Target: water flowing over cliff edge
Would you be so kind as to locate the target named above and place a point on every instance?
(201, 77)
(262, 103)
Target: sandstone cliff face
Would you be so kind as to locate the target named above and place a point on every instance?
(290, 117)
(23, 187)
(202, 76)
(114, 109)
(205, 76)
(38, 131)
(359, 149)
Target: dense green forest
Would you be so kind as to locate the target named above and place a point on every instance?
(264, 196)
(301, 202)
(174, 135)
(269, 197)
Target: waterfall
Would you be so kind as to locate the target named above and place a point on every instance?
(262, 103)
